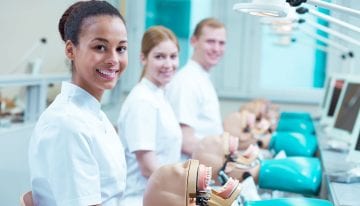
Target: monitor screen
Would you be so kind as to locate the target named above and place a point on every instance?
(349, 108)
(337, 85)
(357, 145)
(327, 86)
(354, 152)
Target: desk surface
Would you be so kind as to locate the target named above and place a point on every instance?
(341, 194)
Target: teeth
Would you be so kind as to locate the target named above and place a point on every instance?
(226, 190)
(204, 177)
(106, 72)
(208, 175)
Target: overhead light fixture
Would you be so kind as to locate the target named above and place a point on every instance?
(303, 10)
(346, 51)
(271, 8)
(325, 4)
(279, 8)
(290, 18)
(328, 42)
(330, 31)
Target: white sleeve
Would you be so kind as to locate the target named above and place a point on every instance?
(73, 171)
(184, 100)
(139, 126)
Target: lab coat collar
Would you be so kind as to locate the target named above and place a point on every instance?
(80, 97)
(198, 68)
(152, 86)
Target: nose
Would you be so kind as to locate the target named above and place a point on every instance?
(112, 58)
(218, 46)
(167, 63)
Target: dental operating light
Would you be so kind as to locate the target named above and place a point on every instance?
(327, 41)
(302, 10)
(279, 8)
(330, 31)
(325, 4)
(273, 8)
(282, 29)
(346, 51)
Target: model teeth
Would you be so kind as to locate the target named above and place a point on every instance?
(226, 190)
(208, 176)
(204, 178)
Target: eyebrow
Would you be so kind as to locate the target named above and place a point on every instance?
(105, 40)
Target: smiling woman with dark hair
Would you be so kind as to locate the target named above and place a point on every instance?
(75, 155)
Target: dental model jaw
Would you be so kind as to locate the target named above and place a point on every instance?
(187, 184)
(243, 163)
(183, 184)
(226, 195)
(212, 151)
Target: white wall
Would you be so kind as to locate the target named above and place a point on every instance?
(23, 23)
(14, 168)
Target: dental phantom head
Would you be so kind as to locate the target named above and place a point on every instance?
(187, 184)
(263, 110)
(243, 125)
(239, 124)
(220, 153)
(182, 184)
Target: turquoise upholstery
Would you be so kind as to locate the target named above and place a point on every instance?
(290, 202)
(294, 144)
(293, 174)
(296, 115)
(296, 125)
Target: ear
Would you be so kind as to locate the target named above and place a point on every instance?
(143, 59)
(69, 50)
(193, 40)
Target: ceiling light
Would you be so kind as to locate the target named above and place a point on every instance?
(290, 18)
(272, 8)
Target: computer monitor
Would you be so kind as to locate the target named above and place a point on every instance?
(354, 152)
(326, 92)
(336, 85)
(352, 173)
(347, 110)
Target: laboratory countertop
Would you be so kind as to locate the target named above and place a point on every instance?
(341, 194)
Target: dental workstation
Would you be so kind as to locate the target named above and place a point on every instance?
(180, 103)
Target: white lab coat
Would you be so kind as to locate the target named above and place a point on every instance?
(194, 100)
(75, 155)
(147, 122)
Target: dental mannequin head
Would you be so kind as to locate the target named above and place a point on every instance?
(220, 153)
(239, 124)
(264, 111)
(182, 184)
(187, 184)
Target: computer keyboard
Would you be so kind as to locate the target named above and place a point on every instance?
(344, 177)
(337, 145)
